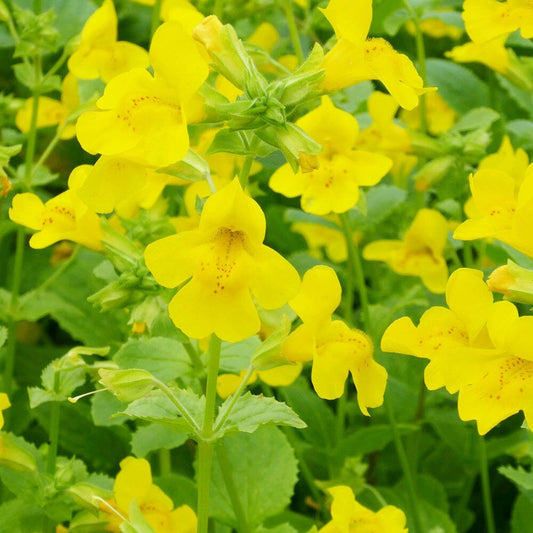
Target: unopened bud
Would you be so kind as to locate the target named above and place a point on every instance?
(127, 385)
(513, 281)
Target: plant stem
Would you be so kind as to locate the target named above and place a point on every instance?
(181, 408)
(32, 134)
(193, 355)
(293, 30)
(236, 395)
(341, 414)
(356, 268)
(9, 363)
(156, 11)
(244, 174)
(485, 487)
(233, 493)
(406, 469)
(165, 462)
(60, 269)
(51, 145)
(205, 444)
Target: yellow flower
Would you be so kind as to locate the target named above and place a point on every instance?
(229, 265)
(334, 185)
(419, 253)
(502, 209)
(355, 58)
(508, 160)
(487, 19)
(334, 348)
(134, 482)
(436, 27)
(439, 115)
(52, 112)
(131, 186)
(143, 117)
(387, 137)
(4, 404)
(491, 53)
(63, 217)
(476, 347)
(99, 54)
(349, 516)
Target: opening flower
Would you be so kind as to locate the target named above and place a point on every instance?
(334, 185)
(334, 348)
(419, 253)
(476, 347)
(227, 266)
(355, 58)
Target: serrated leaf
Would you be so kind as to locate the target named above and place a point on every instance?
(157, 407)
(479, 118)
(37, 396)
(165, 358)
(518, 476)
(155, 437)
(105, 408)
(251, 412)
(263, 467)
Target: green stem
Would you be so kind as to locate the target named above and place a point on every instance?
(356, 268)
(60, 269)
(244, 174)
(293, 30)
(165, 462)
(51, 145)
(485, 487)
(156, 11)
(406, 469)
(341, 414)
(181, 408)
(226, 468)
(193, 355)
(32, 134)
(206, 444)
(236, 395)
(468, 255)
(379, 498)
(13, 308)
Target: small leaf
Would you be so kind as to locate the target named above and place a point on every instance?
(518, 476)
(154, 437)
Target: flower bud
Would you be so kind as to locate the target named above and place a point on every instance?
(127, 385)
(513, 281)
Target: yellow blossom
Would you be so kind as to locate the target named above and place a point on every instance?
(440, 116)
(63, 217)
(502, 209)
(506, 159)
(134, 482)
(387, 137)
(419, 253)
(99, 54)
(229, 265)
(436, 27)
(349, 516)
(491, 53)
(4, 404)
(334, 185)
(487, 19)
(476, 347)
(334, 348)
(355, 58)
(52, 112)
(143, 117)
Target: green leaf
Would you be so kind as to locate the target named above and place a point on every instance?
(522, 513)
(518, 476)
(191, 168)
(251, 412)
(521, 133)
(105, 409)
(165, 358)
(20, 515)
(157, 407)
(235, 357)
(137, 523)
(479, 118)
(448, 76)
(154, 437)
(263, 467)
(3, 335)
(234, 142)
(297, 215)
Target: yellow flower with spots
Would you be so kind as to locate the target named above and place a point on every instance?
(334, 185)
(355, 58)
(419, 253)
(52, 112)
(227, 266)
(63, 217)
(99, 54)
(349, 516)
(502, 207)
(334, 348)
(142, 117)
(134, 482)
(476, 347)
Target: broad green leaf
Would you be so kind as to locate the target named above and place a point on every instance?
(157, 407)
(448, 76)
(522, 513)
(165, 358)
(235, 357)
(478, 118)
(263, 468)
(518, 476)
(181, 489)
(154, 437)
(521, 132)
(251, 412)
(20, 515)
(105, 409)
